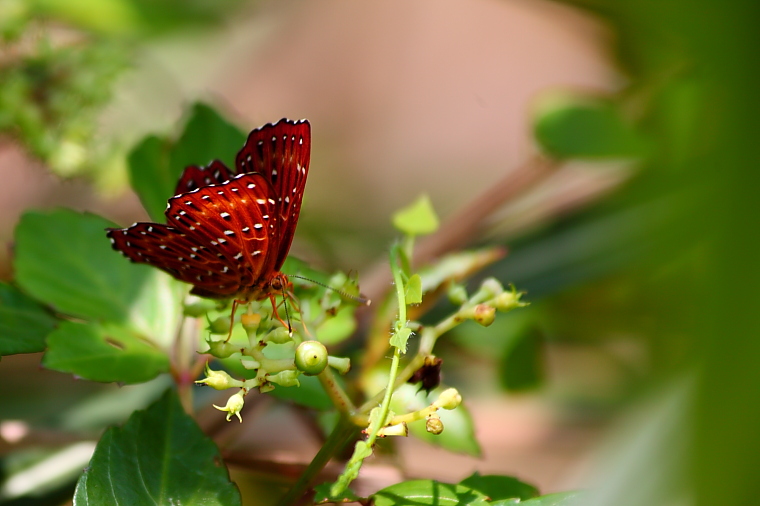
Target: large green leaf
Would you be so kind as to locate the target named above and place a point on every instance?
(156, 164)
(428, 492)
(87, 279)
(63, 258)
(104, 353)
(522, 362)
(151, 175)
(24, 324)
(585, 127)
(558, 499)
(500, 487)
(160, 456)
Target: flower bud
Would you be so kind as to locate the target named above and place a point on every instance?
(457, 294)
(198, 307)
(449, 399)
(234, 405)
(492, 286)
(508, 300)
(434, 425)
(340, 364)
(400, 429)
(221, 349)
(484, 314)
(280, 335)
(287, 378)
(250, 321)
(220, 325)
(311, 357)
(219, 380)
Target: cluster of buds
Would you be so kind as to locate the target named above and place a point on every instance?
(482, 306)
(309, 358)
(396, 425)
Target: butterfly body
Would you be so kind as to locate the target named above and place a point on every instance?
(228, 232)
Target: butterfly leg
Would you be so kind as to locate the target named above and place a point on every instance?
(235, 303)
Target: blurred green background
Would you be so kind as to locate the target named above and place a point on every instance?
(635, 372)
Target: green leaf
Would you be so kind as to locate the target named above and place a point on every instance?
(428, 492)
(400, 338)
(414, 290)
(24, 323)
(87, 279)
(103, 353)
(558, 499)
(500, 487)
(322, 495)
(159, 456)
(585, 127)
(418, 218)
(151, 175)
(521, 366)
(458, 429)
(337, 328)
(156, 164)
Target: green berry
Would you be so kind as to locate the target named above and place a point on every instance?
(311, 357)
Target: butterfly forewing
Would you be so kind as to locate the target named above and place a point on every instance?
(281, 153)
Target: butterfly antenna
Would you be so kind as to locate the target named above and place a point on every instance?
(356, 298)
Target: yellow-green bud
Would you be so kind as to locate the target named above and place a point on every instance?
(434, 425)
(400, 429)
(266, 387)
(508, 300)
(250, 322)
(221, 349)
(220, 325)
(457, 294)
(287, 378)
(340, 364)
(492, 286)
(280, 335)
(311, 357)
(198, 307)
(219, 380)
(449, 399)
(484, 314)
(234, 405)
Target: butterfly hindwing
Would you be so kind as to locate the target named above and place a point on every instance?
(194, 177)
(173, 252)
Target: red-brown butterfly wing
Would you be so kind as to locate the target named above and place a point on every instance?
(194, 177)
(173, 252)
(237, 220)
(219, 237)
(281, 153)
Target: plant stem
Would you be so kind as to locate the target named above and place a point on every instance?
(342, 434)
(337, 395)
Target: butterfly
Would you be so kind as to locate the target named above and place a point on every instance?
(227, 231)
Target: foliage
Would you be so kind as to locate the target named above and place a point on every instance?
(114, 321)
(669, 261)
